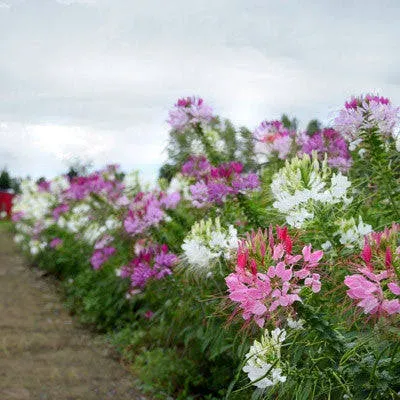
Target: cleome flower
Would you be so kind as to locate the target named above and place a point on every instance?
(196, 167)
(189, 112)
(206, 243)
(376, 288)
(304, 184)
(365, 112)
(263, 361)
(151, 262)
(272, 138)
(148, 209)
(330, 142)
(102, 251)
(220, 182)
(268, 278)
(351, 233)
(56, 243)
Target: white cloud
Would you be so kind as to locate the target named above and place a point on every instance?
(69, 2)
(102, 82)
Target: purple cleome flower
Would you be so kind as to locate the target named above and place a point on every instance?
(364, 112)
(147, 210)
(219, 182)
(189, 112)
(152, 262)
(329, 142)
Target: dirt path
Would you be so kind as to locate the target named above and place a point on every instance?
(43, 354)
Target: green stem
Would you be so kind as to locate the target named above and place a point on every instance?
(380, 163)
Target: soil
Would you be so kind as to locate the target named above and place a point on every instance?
(44, 353)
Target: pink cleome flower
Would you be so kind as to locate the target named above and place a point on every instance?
(271, 137)
(268, 277)
(376, 288)
(148, 209)
(364, 112)
(97, 183)
(55, 243)
(100, 256)
(189, 112)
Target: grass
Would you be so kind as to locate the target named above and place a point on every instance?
(5, 225)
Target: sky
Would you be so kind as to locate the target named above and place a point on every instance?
(96, 78)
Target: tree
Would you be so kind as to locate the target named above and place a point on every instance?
(289, 123)
(313, 126)
(78, 167)
(5, 180)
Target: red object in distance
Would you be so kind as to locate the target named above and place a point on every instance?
(6, 202)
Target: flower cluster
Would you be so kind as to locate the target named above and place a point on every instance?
(102, 251)
(99, 183)
(272, 138)
(263, 361)
(56, 243)
(189, 112)
(151, 262)
(269, 277)
(196, 167)
(148, 209)
(376, 288)
(206, 243)
(107, 225)
(365, 112)
(222, 181)
(32, 203)
(305, 183)
(351, 233)
(330, 142)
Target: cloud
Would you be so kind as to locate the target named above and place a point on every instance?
(101, 82)
(70, 2)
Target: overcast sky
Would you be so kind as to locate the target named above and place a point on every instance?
(97, 77)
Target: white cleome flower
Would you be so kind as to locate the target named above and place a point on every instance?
(18, 238)
(197, 254)
(207, 242)
(295, 324)
(263, 360)
(303, 184)
(396, 137)
(351, 233)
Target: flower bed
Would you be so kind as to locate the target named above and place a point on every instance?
(264, 265)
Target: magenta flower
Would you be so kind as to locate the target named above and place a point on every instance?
(189, 112)
(99, 257)
(376, 288)
(55, 243)
(148, 210)
(152, 262)
(149, 314)
(268, 278)
(103, 242)
(220, 182)
(364, 112)
(329, 142)
(98, 183)
(196, 167)
(44, 186)
(59, 210)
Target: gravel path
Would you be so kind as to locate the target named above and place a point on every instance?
(43, 353)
